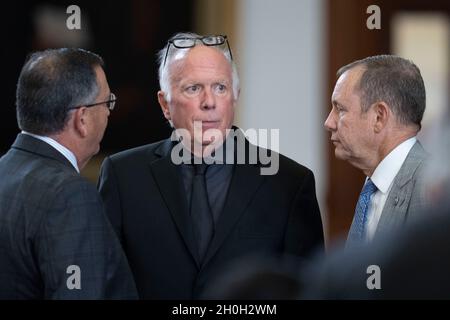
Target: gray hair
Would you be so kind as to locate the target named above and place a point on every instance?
(394, 80)
(163, 71)
(50, 84)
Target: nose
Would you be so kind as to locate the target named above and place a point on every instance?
(209, 100)
(330, 122)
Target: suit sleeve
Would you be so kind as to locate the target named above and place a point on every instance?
(79, 254)
(304, 234)
(109, 191)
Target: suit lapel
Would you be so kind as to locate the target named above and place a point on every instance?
(396, 206)
(171, 188)
(397, 203)
(245, 182)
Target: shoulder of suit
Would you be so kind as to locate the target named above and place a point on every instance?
(146, 151)
(419, 149)
(417, 156)
(69, 189)
(413, 167)
(39, 170)
(49, 179)
(287, 166)
(59, 179)
(78, 187)
(293, 167)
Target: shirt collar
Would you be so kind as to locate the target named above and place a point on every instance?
(387, 169)
(63, 150)
(220, 157)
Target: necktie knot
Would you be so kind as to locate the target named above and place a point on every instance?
(369, 188)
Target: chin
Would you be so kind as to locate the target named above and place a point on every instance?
(339, 154)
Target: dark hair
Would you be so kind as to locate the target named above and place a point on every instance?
(50, 83)
(394, 80)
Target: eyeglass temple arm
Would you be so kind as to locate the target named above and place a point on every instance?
(229, 49)
(167, 52)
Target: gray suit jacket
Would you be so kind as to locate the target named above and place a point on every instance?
(55, 239)
(406, 198)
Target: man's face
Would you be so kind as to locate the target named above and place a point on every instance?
(351, 129)
(100, 113)
(201, 84)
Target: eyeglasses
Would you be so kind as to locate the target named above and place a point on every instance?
(189, 42)
(111, 103)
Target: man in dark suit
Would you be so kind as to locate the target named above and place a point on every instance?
(182, 224)
(55, 239)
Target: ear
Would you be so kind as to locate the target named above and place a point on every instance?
(382, 115)
(80, 121)
(237, 98)
(164, 104)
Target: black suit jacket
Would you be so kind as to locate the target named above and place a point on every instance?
(50, 219)
(145, 200)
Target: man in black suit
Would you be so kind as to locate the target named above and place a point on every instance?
(182, 223)
(55, 239)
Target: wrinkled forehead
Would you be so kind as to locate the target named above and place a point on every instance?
(200, 57)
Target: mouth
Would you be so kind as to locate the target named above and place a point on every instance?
(335, 142)
(210, 124)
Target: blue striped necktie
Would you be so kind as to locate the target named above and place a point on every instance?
(358, 229)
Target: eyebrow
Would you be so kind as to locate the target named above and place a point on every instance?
(336, 103)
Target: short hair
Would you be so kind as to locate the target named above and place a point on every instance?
(50, 84)
(163, 71)
(394, 80)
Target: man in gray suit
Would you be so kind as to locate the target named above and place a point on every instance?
(377, 107)
(411, 263)
(55, 240)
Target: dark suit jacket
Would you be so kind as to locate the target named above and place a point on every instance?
(52, 218)
(145, 200)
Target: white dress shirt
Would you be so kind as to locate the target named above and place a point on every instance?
(383, 177)
(59, 147)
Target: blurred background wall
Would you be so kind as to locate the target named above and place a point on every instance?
(287, 52)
